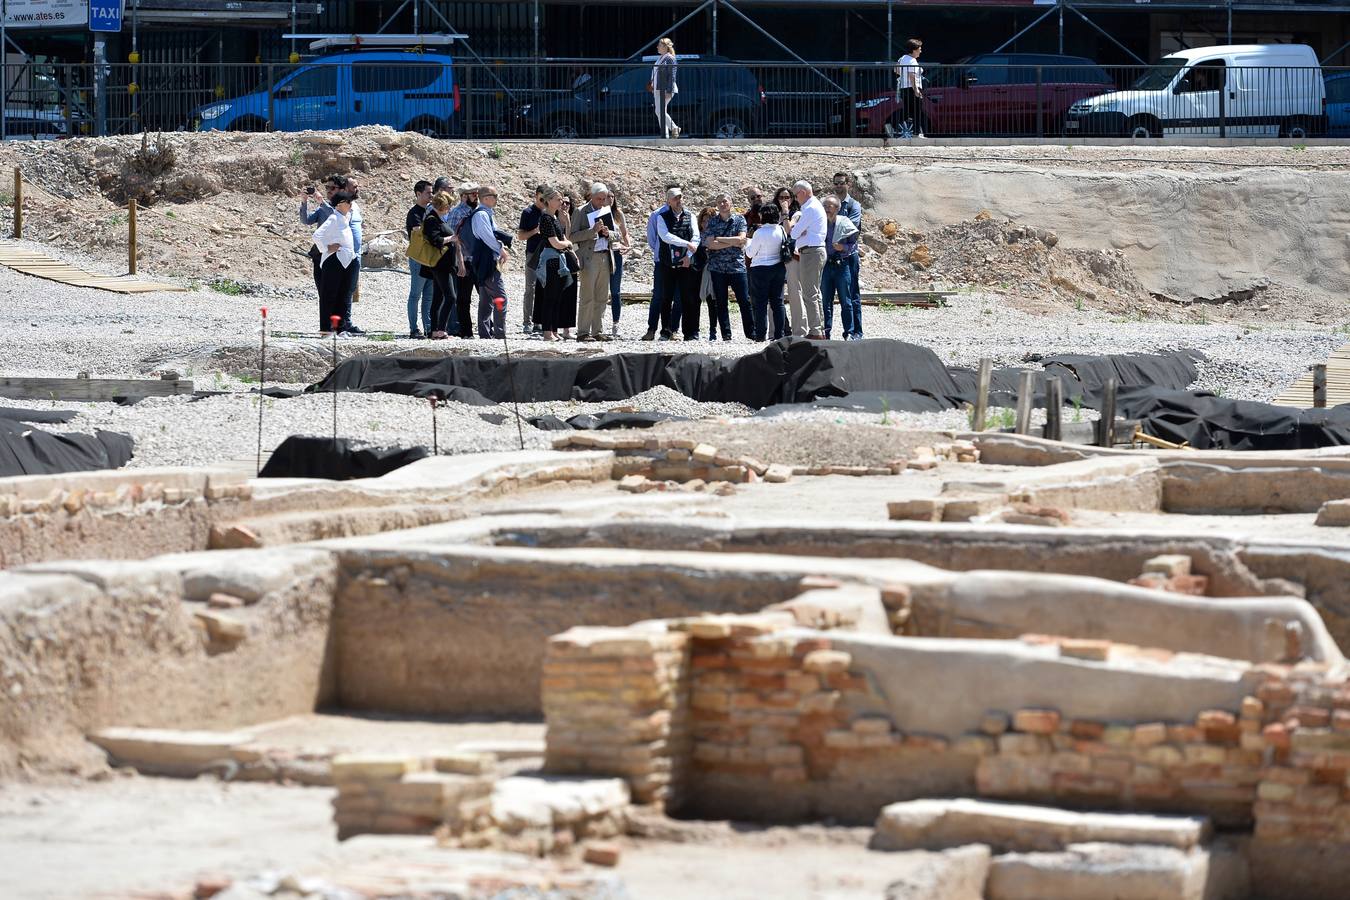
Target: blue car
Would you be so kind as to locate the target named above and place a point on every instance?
(1338, 105)
(409, 92)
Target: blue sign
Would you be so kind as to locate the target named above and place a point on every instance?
(105, 15)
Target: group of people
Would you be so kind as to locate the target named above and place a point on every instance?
(785, 260)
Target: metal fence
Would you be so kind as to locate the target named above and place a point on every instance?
(585, 99)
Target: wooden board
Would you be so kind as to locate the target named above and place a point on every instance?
(39, 265)
(96, 389)
(1300, 393)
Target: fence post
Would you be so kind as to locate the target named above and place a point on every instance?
(468, 101)
(70, 102)
(1040, 107)
(1025, 388)
(18, 204)
(131, 236)
(271, 99)
(850, 109)
(1106, 425)
(982, 394)
(1223, 109)
(1054, 409)
(1320, 386)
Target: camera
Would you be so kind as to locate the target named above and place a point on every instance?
(310, 190)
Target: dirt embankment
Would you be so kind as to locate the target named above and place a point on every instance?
(1092, 231)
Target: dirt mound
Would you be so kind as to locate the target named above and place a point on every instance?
(1004, 257)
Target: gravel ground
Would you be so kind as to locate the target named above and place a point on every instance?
(56, 330)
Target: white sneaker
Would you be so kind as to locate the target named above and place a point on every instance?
(614, 330)
(675, 129)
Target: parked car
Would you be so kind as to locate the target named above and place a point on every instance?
(35, 125)
(717, 98)
(994, 94)
(410, 92)
(1241, 90)
(1338, 105)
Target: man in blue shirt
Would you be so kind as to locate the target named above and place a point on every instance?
(852, 209)
(487, 258)
(468, 202)
(725, 239)
(841, 245)
(331, 185)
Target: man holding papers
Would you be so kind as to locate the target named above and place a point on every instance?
(594, 237)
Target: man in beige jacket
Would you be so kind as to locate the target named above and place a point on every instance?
(592, 237)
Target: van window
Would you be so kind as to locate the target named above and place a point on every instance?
(1203, 76)
(318, 81)
(374, 78)
(1159, 76)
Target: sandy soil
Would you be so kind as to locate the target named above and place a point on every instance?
(354, 732)
(132, 834)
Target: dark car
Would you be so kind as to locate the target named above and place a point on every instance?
(717, 98)
(994, 94)
(1338, 105)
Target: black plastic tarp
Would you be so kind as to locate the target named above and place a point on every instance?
(786, 371)
(319, 457)
(1083, 377)
(1206, 421)
(25, 450)
(38, 416)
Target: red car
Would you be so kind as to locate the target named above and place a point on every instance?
(993, 94)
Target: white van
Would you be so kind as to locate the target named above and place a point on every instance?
(1268, 90)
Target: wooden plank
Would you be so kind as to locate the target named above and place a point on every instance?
(39, 266)
(96, 389)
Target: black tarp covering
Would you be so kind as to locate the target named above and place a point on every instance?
(603, 421)
(38, 416)
(25, 450)
(1082, 377)
(786, 371)
(1207, 422)
(320, 457)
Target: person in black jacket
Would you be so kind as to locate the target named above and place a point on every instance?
(438, 234)
(421, 288)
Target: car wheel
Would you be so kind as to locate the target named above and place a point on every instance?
(248, 123)
(727, 126)
(901, 126)
(1297, 129)
(1143, 127)
(564, 129)
(427, 125)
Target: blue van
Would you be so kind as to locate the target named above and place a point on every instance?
(406, 91)
(1338, 105)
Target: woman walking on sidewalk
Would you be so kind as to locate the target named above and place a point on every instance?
(664, 88)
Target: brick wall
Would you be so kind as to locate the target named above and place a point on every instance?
(776, 723)
(616, 700)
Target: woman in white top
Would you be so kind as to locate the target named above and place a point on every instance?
(663, 86)
(767, 274)
(909, 89)
(335, 243)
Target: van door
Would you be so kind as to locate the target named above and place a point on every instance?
(1194, 106)
(1254, 94)
(623, 106)
(307, 99)
(393, 93)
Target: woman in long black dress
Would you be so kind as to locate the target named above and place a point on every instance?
(556, 302)
(438, 234)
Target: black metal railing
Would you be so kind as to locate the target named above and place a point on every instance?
(588, 99)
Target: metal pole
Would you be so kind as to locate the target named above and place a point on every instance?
(1061, 26)
(4, 72)
(714, 27)
(1230, 22)
(100, 88)
(1034, 22)
(18, 204)
(262, 378)
(500, 304)
(131, 236)
(435, 434)
(334, 321)
(1320, 386)
(890, 6)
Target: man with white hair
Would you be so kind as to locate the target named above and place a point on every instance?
(592, 226)
(809, 235)
(677, 238)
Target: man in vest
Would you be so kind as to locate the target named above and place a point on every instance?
(677, 233)
(486, 259)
